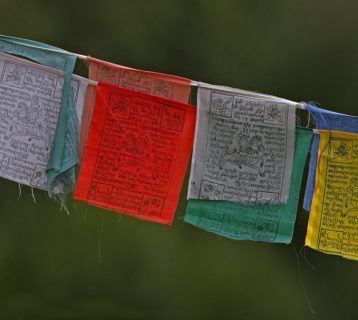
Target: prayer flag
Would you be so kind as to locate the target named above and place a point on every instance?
(333, 224)
(243, 147)
(327, 120)
(136, 153)
(157, 84)
(64, 155)
(29, 106)
(265, 222)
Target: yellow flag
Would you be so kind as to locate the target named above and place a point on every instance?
(333, 221)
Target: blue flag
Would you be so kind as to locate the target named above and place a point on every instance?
(327, 120)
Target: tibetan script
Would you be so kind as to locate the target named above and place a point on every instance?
(30, 99)
(243, 147)
(136, 153)
(333, 220)
(157, 84)
(262, 222)
(327, 120)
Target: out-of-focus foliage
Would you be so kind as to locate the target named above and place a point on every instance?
(94, 264)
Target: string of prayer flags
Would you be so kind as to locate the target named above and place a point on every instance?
(29, 106)
(137, 134)
(136, 154)
(63, 156)
(327, 120)
(333, 225)
(157, 84)
(243, 147)
(264, 222)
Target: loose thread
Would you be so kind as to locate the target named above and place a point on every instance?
(20, 191)
(301, 279)
(84, 218)
(33, 195)
(63, 205)
(308, 119)
(303, 255)
(100, 240)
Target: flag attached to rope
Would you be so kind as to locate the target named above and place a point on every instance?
(243, 147)
(29, 107)
(63, 156)
(157, 84)
(327, 120)
(333, 224)
(265, 222)
(136, 153)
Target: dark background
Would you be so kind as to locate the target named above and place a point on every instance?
(94, 264)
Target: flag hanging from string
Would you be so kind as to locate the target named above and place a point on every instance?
(243, 147)
(136, 153)
(29, 106)
(63, 156)
(327, 120)
(265, 222)
(333, 224)
(157, 84)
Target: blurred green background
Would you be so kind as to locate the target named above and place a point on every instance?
(94, 264)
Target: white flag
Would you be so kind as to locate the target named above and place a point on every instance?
(243, 147)
(30, 99)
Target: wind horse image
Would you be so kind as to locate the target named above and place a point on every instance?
(27, 121)
(246, 151)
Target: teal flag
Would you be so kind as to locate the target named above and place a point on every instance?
(266, 222)
(63, 156)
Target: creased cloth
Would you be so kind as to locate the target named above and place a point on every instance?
(136, 154)
(265, 222)
(327, 120)
(154, 83)
(63, 156)
(333, 225)
(29, 106)
(243, 147)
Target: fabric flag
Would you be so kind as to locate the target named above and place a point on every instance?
(243, 147)
(136, 154)
(328, 120)
(333, 224)
(264, 222)
(64, 155)
(29, 106)
(158, 84)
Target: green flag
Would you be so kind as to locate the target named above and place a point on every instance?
(266, 222)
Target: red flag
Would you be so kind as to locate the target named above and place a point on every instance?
(158, 84)
(136, 154)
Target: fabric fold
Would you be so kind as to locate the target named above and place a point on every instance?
(154, 83)
(63, 156)
(29, 107)
(333, 224)
(243, 146)
(326, 120)
(136, 154)
(265, 222)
